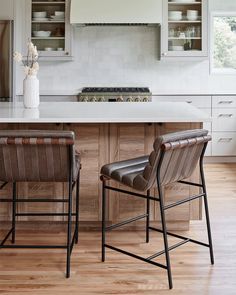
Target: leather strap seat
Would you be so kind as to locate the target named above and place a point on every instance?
(140, 173)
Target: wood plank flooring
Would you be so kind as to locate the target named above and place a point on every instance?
(42, 271)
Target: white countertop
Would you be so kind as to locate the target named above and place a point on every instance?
(107, 112)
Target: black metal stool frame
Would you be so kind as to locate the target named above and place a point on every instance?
(163, 208)
(70, 240)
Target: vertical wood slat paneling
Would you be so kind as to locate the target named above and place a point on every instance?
(100, 144)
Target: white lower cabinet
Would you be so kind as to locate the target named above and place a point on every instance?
(200, 101)
(224, 143)
(224, 126)
(224, 120)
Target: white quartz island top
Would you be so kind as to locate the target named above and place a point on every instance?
(102, 112)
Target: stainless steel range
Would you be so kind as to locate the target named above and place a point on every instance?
(119, 94)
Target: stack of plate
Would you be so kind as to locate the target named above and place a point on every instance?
(40, 16)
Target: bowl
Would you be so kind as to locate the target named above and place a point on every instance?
(192, 15)
(39, 14)
(177, 48)
(42, 33)
(59, 13)
(175, 15)
(183, 1)
(49, 49)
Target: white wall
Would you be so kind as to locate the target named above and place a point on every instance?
(127, 56)
(6, 9)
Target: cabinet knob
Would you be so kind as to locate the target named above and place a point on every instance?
(67, 53)
(164, 54)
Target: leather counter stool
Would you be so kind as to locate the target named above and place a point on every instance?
(174, 159)
(40, 156)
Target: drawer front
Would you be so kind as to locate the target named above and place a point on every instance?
(197, 101)
(224, 120)
(224, 144)
(224, 101)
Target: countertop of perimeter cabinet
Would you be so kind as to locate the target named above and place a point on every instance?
(107, 112)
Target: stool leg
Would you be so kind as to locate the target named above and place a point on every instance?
(207, 214)
(69, 230)
(163, 221)
(148, 216)
(13, 213)
(77, 210)
(103, 220)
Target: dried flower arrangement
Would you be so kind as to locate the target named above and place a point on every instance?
(31, 65)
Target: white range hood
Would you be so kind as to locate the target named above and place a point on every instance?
(116, 12)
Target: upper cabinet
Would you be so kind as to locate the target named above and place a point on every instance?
(48, 26)
(185, 28)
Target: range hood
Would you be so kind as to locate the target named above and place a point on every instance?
(115, 12)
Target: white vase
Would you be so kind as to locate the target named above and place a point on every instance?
(31, 91)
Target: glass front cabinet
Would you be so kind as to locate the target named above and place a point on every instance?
(185, 28)
(48, 27)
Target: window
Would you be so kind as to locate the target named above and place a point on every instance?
(223, 52)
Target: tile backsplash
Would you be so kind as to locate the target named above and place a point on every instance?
(125, 56)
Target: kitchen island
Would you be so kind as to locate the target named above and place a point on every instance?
(105, 132)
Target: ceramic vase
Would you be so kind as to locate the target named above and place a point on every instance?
(31, 92)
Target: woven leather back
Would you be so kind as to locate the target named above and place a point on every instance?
(182, 151)
(35, 155)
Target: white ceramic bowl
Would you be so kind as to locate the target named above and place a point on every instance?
(192, 15)
(39, 14)
(59, 13)
(183, 1)
(177, 48)
(42, 33)
(49, 49)
(175, 15)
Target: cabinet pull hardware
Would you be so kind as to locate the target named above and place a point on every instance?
(225, 102)
(225, 139)
(189, 101)
(226, 115)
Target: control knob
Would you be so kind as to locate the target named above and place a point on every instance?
(101, 99)
(94, 99)
(120, 99)
(130, 99)
(138, 99)
(85, 99)
(145, 99)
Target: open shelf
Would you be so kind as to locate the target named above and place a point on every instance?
(47, 38)
(186, 38)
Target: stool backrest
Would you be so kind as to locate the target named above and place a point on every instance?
(175, 156)
(30, 155)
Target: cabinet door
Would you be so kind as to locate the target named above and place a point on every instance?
(56, 46)
(128, 141)
(92, 143)
(50, 190)
(182, 35)
(180, 215)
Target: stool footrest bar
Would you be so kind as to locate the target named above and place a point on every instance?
(135, 256)
(33, 247)
(180, 237)
(169, 249)
(190, 183)
(125, 222)
(183, 201)
(34, 200)
(44, 214)
(130, 193)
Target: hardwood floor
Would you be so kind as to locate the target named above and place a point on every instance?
(42, 271)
